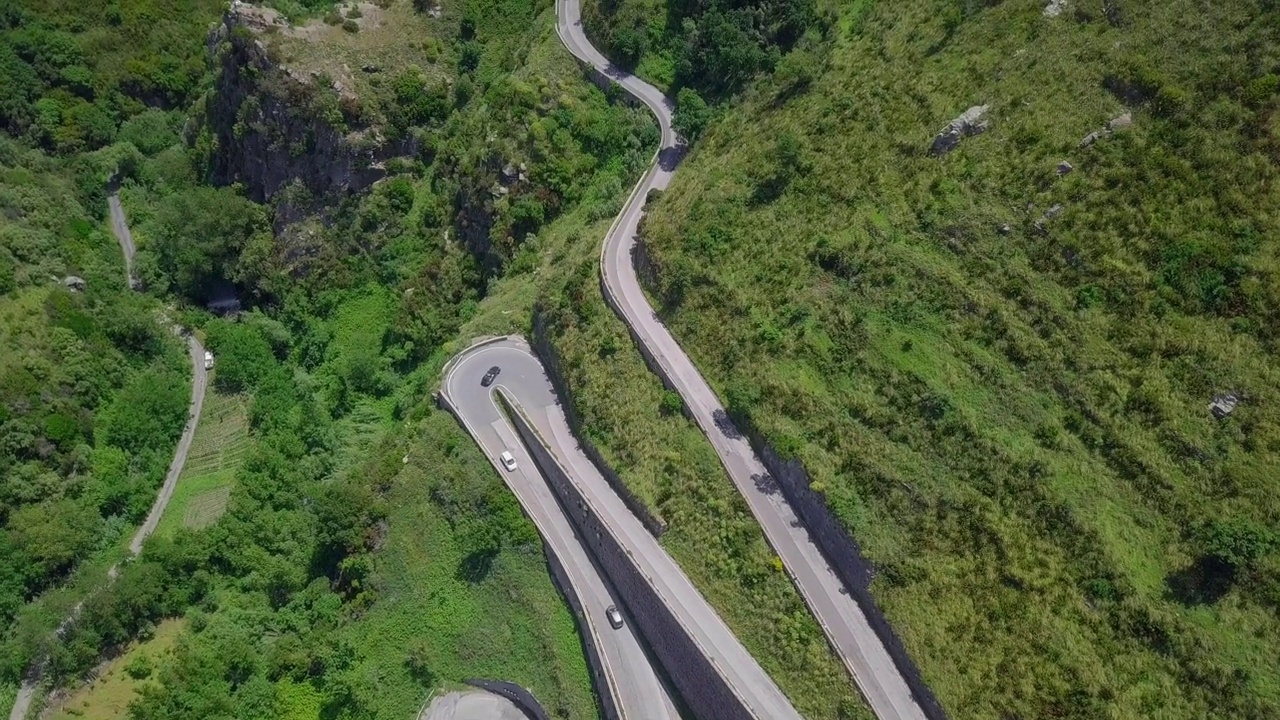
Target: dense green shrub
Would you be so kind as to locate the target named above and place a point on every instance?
(713, 46)
(67, 84)
(92, 393)
(198, 234)
(244, 355)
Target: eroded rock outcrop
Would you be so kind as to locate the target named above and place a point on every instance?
(971, 122)
(274, 125)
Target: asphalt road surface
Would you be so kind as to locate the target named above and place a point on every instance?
(471, 705)
(199, 383)
(525, 384)
(843, 622)
(639, 693)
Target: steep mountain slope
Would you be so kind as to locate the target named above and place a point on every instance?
(341, 578)
(996, 356)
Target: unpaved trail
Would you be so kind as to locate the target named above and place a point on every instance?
(199, 382)
(120, 228)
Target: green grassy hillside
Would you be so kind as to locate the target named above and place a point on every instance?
(1000, 375)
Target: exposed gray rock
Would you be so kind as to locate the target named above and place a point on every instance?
(1049, 214)
(971, 122)
(1120, 122)
(1224, 404)
(509, 174)
(1064, 167)
(267, 139)
(1004, 228)
(1054, 8)
(74, 283)
(1115, 124)
(370, 68)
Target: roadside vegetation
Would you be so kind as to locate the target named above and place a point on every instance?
(217, 452)
(76, 77)
(339, 580)
(119, 680)
(93, 390)
(998, 367)
(664, 458)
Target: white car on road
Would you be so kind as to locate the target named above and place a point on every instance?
(508, 461)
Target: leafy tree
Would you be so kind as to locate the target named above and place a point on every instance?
(53, 535)
(1237, 543)
(527, 215)
(692, 114)
(8, 274)
(345, 512)
(722, 52)
(140, 667)
(244, 355)
(150, 131)
(795, 72)
(147, 413)
(629, 45)
(672, 404)
(417, 101)
(419, 662)
(198, 234)
(399, 193)
(20, 86)
(469, 56)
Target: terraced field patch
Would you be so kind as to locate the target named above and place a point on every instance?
(221, 441)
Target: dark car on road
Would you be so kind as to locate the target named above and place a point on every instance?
(487, 380)
(615, 617)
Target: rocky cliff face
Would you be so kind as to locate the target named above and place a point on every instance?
(278, 128)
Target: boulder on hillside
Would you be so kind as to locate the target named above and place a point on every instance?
(971, 122)
(1224, 404)
(74, 283)
(1115, 124)
(1120, 122)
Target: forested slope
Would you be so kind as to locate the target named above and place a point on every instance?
(93, 390)
(997, 362)
(367, 555)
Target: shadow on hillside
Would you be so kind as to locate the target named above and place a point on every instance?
(476, 566)
(1204, 582)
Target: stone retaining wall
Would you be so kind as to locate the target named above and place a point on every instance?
(700, 685)
(550, 358)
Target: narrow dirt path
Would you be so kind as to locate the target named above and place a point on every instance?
(120, 228)
(199, 383)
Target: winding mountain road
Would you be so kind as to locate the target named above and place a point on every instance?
(842, 620)
(632, 678)
(199, 383)
(633, 682)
